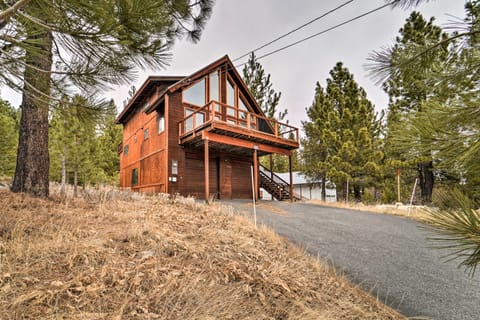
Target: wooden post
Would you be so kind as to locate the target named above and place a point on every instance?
(291, 177)
(207, 173)
(255, 172)
(271, 166)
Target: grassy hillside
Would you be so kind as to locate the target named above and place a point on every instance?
(159, 258)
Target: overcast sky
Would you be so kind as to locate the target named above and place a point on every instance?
(239, 26)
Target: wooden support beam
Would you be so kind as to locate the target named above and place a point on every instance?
(255, 173)
(207, 173)
(291, 177)
(215, 137)
(271, 166)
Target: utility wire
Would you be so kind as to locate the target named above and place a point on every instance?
(294, 30)
(322, 32)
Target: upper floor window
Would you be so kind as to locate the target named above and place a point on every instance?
(161, 123)
(195, 94)
(125, 150)
(145, 134)
(214, 86)
(230, 93)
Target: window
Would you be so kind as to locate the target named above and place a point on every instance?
(195, 94)
(214, 86)
(174, 167)
(242, 104)
(145, 134)
(242, 113)
(125, 150)
(230, 93)
(161, 123)
(135, 177)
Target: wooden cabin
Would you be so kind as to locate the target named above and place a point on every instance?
(201, 135)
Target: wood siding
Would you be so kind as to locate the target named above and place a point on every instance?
(146, 153)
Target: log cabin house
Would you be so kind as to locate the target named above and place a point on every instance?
(201, 135)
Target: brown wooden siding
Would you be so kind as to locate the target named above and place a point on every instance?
(241, 179)
(175, 151)
(146, 155)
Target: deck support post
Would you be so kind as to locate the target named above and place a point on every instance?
(255, 171)
(291, 177)
(207, 173)
(271, 166)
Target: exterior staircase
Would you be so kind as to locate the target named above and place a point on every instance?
(277, 187)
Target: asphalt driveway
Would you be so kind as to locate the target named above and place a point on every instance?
(388, 256)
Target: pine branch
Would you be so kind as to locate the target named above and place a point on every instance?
(457, 231)
(9, 12)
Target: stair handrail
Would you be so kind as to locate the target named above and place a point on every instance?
(276, 178)
(283, 184)
(276, 190)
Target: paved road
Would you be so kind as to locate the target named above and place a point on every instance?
(386, 255)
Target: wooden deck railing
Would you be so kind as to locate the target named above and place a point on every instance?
(215, 111)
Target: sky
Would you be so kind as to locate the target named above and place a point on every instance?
(239, 26)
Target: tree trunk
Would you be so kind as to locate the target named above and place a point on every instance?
(64, 172)
(31, 173)
(357, 192)
(426, 179)
(75, 181)
(324, 189)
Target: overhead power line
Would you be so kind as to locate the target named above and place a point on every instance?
(295, 30)
(323, 31)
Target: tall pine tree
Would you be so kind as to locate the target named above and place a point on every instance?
(9, 139)
(258, 82)
(319, 141)
(408, 91)
(450, 127)
(342, 134)
(53, 45)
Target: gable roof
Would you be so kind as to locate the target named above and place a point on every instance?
(176, 83)
(144, 91)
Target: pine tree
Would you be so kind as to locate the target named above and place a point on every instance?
(258, 82)
(9, 139)
(93, 44)
(451, 128)
(319, 140)
(408, 91)
(81, 145)
(341, 136)
(109, 139)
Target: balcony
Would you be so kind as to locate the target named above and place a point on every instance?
(222, 120)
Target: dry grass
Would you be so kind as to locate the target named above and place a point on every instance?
(159, 258)
(419, 213)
